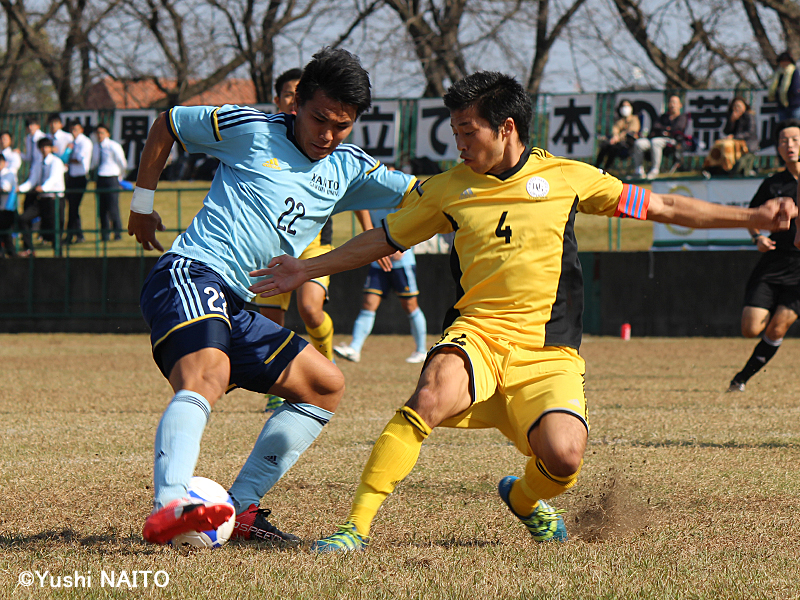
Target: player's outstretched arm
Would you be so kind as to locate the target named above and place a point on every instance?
(774, 215)
(143, 221)
(287, 273)
(365, 219)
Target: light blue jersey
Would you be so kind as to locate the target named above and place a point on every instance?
(407, 259)
(267, 197)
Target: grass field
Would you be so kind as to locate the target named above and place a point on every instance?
(686, 492)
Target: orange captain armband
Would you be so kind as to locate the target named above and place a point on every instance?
(633, 202)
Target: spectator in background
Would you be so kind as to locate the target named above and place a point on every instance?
(8, 207)
(109, 158)
(668, 130)
(49, 187)
(623, 134)
(32, 157)
(13, 158)
(80, 163)
(785, 88)
(61, 139)
(735, 153)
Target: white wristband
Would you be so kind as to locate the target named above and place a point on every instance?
(143, 200)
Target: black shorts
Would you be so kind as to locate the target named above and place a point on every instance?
(775, 282)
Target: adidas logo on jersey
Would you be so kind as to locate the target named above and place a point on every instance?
(467, 193)
(272, 163)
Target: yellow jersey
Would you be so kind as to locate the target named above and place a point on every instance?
(515, 256)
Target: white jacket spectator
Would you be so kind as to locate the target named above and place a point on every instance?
(109, 158)
(80, 161)
(50, 180)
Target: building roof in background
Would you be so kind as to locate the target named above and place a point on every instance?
(144, 93)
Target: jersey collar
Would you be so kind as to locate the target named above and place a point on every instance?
(516, 168)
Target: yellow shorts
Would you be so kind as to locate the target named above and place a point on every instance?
(282, 301)
(512, 387)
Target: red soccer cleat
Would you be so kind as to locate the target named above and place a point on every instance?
(182, 515)
(252, 524)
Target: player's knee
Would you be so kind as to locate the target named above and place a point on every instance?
(564, 461)
(751, 330)
(777, 330)
(427, 403)
(328, 386)
(311, 313)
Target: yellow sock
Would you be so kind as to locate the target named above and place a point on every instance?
(322, 336)
(538, 484)
(393, 456)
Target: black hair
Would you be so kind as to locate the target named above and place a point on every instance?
(339, 75)
(289, 75)
(785, 57)
(496, 97)
(104, 126)
(785, 125)
(621, 102)
(45, 141)
(53, 117)
(4, 132)
(31, 121)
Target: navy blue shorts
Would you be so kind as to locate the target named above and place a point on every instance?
(403, 280)
(188, 307)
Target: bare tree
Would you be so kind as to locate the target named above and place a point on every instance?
(788, 14)
(254, 32)
(13, 60)
(72, 22)
(433, 31)
(545, 40)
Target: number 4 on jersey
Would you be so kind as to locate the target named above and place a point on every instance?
(503, 232)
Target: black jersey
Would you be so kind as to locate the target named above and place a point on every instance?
(780, 184)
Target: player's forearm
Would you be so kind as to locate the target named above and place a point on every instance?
(155, 154)
(361, 250)
(364, 219)
(691, 212)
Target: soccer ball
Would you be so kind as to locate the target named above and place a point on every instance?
(207, 490)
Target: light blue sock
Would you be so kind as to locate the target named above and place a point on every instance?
(419, 329)
(178, 445)
(289, 431)
(362, 328)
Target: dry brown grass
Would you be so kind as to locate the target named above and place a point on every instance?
(686, 492)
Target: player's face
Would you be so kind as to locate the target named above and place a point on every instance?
(5, 141)
(481, 148)
(285, 103)
(322, 124)
(789, 144)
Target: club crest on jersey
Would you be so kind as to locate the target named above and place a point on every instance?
(537, 187)
(272, 163)
(467, 193)
(329, 186)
